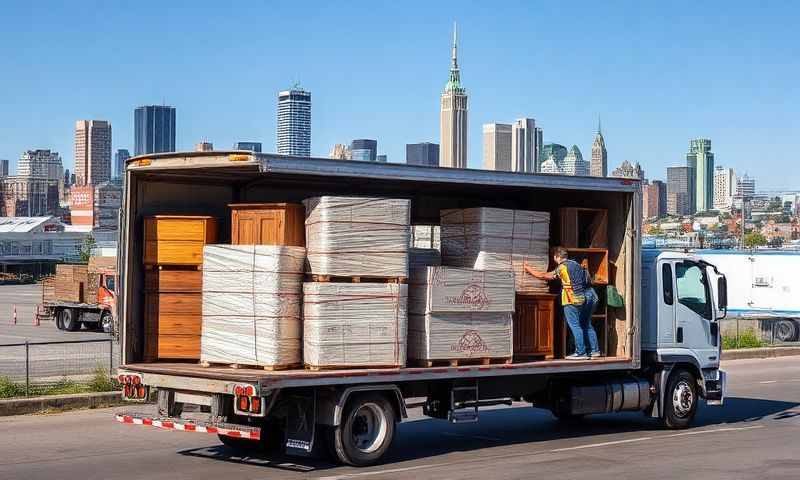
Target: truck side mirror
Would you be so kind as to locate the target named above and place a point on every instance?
(722, 293)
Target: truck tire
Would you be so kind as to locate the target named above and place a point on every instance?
(785, 330)
(366, 430)
(69, 320)
(59, 323)
(680, 400)
(106, 322)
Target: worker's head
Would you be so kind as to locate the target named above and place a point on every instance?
(559, 255)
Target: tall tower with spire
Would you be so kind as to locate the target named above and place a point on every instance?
(453, 117)
(599, 167)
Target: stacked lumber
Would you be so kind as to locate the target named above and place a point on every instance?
(348, 325)
(48, 289)
(457, 314)
(251, 305)
(498, 239)
(357, 236)
(74, 283)
(107, 265)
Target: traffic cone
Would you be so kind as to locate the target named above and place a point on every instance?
(15, 314)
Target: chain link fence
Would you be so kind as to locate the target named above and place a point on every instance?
(759, 332)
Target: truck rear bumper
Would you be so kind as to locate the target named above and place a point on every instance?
(172, 423)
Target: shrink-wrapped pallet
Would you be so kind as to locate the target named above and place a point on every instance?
(453, 289)
(357, 236)
(498, 239)
(354, 324)
(459, 336)
(251, 305)
(423, 258)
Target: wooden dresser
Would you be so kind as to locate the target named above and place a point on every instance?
(533, 326)
(268, 224)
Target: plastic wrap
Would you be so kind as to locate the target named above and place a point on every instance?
(252, 304)
(452, 289)
(455, 336)
(355, 236)
(354, 324)
(498, 239)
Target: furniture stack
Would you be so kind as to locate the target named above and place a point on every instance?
(251, 305)
(173, 258)
(498, 239)
(458, 314)
(268, 224)
(354, 309)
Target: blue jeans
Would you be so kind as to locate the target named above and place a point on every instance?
(579, 320)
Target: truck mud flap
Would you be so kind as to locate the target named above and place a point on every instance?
(300, 424)
(172, 423)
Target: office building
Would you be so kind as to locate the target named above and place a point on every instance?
(249, 146)
(701, 160)
(154, 129)
(745, 186)
(204, 147)
(558, 152)
(453, 117)
(382, 159)
(40, 164)
(92, 151)
(424, 153)
(497, 147)
(120, 158)
(3, 168)
(599, 167)
(525, 146)
(96, 206)
(539, 146)
(654, 199)
(680, 187)
(340, 151)
(67, 178)
(551, 165)
(724, 188)
(629, 170)
(574, 164)
(294, 122)
(29, 196)
(364, 149)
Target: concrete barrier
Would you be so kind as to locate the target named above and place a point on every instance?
(21, 406)
(768, 352)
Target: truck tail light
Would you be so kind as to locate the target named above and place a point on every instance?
(243, 403)
(255, 405)
(133, 388)
(247, 401)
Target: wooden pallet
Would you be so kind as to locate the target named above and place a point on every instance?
(354, 279)
(320, 368)
(240, 366)
(457, 362)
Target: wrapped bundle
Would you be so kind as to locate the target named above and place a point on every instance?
(458, 336)
(354, 324)
(498, 239)
(423, 258)
(452, 289)
(356, 236)
(251, 304)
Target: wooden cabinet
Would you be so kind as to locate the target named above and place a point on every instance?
(594, 260)
(177, 240)
(268, 224)
(583, 227)
(172, 326)
(533, 325)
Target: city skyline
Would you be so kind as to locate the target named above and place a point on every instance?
(504, 83)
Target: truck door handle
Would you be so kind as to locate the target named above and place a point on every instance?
(679, 336)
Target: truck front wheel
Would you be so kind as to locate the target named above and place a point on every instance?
(365, 432)
(680, 400)
(68, 320)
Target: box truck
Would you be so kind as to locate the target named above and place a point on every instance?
(662, 347)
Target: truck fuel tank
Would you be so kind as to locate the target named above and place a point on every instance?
(613, 396)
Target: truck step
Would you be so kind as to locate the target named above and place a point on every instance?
(173, 423)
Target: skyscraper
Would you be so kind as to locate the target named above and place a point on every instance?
(453, 117)
(574, 164)
(551, 165)
(154, 129)
(364, 149)
(340, 151)
(558, 152)
(497, 146)
(525, 138)
(629, 170)
(250, 146)
(701, 161)
(599, 155)
(745, 186)
(41, 164)
(92, 151)
(294, 122)
(537, 162)
(424, 153)
(654, 199)
(3, 168)
(724, 188)
(120, 158)
(680, 185)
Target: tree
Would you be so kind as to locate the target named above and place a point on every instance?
(86, 248)
(754, 239)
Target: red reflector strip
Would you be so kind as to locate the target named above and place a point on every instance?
(252, 433)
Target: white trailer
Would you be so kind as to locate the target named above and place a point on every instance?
(664, 345)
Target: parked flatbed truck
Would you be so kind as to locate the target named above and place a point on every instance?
(663, 345)
(93, 307)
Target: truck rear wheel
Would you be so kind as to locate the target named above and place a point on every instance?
(68, 320)
(680, 400)
(785, 330)
(366, 430)
(106, 322)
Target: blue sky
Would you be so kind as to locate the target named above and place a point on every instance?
(659, 73)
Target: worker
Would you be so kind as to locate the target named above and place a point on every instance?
(578, 299)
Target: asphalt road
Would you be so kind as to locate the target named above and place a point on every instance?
(755, 435)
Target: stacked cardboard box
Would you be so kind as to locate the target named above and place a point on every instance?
(251, 305)
(358, 236)
(459, 313)
(498, 239)
(354, 324)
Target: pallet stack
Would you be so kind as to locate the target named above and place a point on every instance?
(354, 307)
(173, 259)
(74, 283)
(251, 305)
(460, 315)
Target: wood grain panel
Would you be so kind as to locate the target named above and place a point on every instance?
(173, 252)
(534, 329)
(268, 224)
(183, 347)
(175, 281)
(178, 228)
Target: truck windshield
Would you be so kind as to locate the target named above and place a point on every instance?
(692, 288)
(110, 283)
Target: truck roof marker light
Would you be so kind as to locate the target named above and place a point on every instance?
(238, 157)
(143, 162)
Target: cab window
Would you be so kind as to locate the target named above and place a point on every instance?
(110, 283)
(693, 288)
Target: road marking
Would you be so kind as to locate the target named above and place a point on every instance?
(479, 437)
(715, 430)
(602, 444)
(768, 381)
(384, 471)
